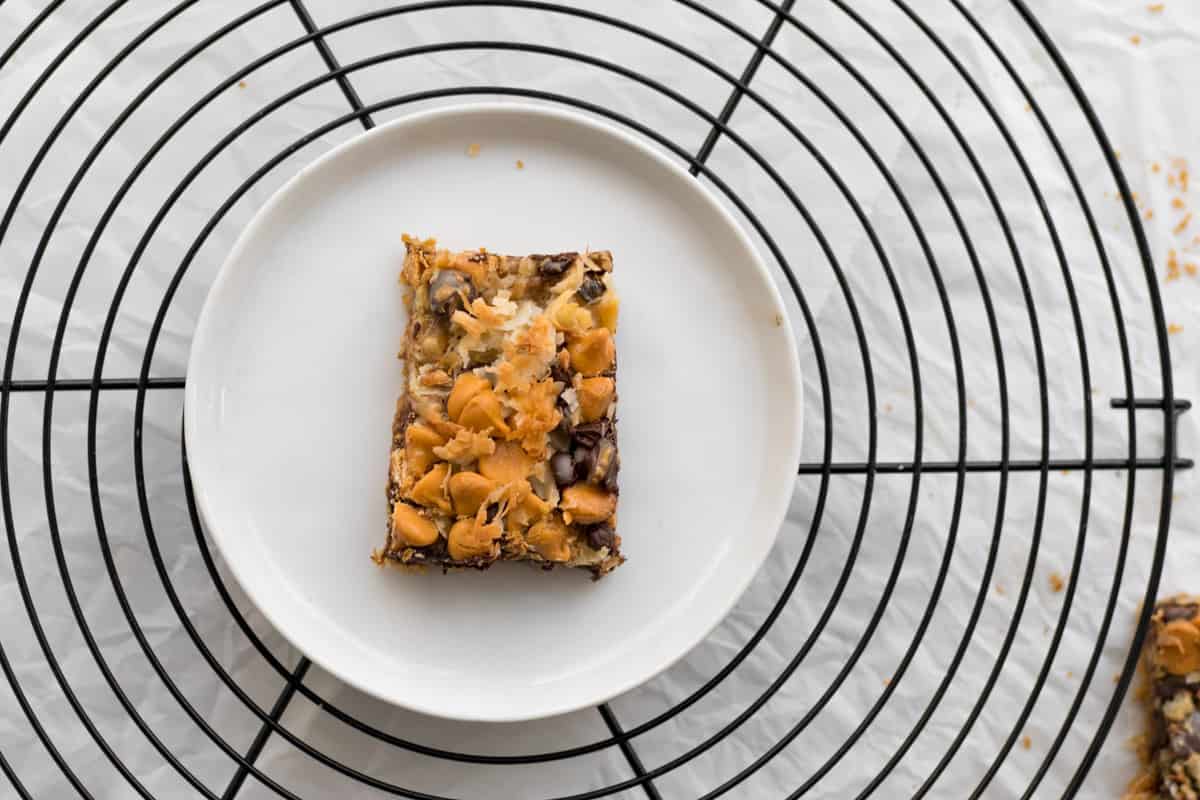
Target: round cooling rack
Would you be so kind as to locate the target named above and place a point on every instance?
(952, 609)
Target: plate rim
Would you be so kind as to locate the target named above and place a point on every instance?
(202, 336)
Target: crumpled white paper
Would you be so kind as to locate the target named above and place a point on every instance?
(839, 690)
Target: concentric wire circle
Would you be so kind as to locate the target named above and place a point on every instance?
(950, 299)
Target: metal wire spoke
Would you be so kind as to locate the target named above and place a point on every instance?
(742, 96)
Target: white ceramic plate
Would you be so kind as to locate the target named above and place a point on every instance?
(293, 380)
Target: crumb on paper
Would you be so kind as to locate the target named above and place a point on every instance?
(520, 164)
(887, 408)
(1070, 674)
(1177, 202)
(1065, 471)
(1000, 589)
(472, 150)
(1172, 265)
(1149, 213)
(1056, 582)
(1156, 8)
(1028, 107)
(779, 320)
(1156, 167)
(1174, 328)
(241, 84)
(1026, 742)
(970, 403)
(1136, 39)
(887, 681)
(1183, 223)
(1190, 269)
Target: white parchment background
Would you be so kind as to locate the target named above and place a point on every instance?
(1137, 63)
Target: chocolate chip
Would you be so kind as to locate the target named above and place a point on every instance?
(591, 289)
(563, 467)
(1166, 687)
(1172, 612)
(581, 459)
(601, 536)
(586, 434)
(601, 459)
(560, 437)
(559, 374)
(610, 480)
(447, 291)
(556, 265)
(1184, 743)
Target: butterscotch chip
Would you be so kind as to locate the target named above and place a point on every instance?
(465, 388)
(605, 311)
(570, 317)
(419, 442)
(1177, 647)
(504, 444)
(587, 504)
(592, 352)
(524, 506)
(469, 539)
(508, 464)
(595, 395)
(468, 490)
(430, 491)
(410, 528)
(483, 412)
(549, 539)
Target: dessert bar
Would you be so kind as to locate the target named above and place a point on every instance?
(504, 443)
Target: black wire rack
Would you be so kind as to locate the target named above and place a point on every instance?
(1108, 297)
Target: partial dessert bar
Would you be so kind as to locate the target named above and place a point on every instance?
(504, 444)
(1173, 659)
